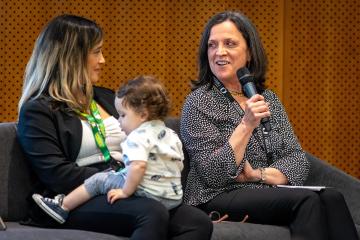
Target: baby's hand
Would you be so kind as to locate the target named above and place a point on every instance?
(115, 194)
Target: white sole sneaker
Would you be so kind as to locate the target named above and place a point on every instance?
(37, 198)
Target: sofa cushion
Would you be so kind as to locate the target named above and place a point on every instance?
(16, 231)
(249, 231)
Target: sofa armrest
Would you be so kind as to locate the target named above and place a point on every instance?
(323, 174)
(15, 175)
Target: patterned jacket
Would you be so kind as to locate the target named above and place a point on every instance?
(208, 119)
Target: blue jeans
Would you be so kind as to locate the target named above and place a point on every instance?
(102, 182)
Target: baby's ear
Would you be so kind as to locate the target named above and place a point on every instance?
(145, 115)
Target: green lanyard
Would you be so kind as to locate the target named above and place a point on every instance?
(98, 128)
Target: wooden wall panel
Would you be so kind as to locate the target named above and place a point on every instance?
(321, 78)
(141, 37)
(161, 37)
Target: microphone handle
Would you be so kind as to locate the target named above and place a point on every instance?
(266, 123)
(250, 90)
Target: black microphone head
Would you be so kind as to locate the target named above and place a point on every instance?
(246, 81)
(243, 75)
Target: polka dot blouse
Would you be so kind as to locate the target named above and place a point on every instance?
(207, 122)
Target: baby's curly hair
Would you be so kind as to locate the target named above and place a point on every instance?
(145, 93)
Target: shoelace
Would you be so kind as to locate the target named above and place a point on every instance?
(50, 200)
(59, 199)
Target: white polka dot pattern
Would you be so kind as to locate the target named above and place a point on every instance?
(208, 120)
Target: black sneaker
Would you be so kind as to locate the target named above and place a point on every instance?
(52, 207)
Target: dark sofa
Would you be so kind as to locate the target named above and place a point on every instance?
(16, 179)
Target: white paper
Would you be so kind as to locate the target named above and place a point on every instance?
(313, 188)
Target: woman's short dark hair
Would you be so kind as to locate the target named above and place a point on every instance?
(258, 62)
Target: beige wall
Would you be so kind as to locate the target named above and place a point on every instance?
(312, 46)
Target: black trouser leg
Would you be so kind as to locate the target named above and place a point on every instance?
(301, 210)
(140, 218)
(339, 220)
(309, 218)
(189, 223)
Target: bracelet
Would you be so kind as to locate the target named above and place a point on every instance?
(262, 175)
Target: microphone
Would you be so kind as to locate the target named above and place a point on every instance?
(247, 83)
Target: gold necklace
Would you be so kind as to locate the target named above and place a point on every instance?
(235, 93)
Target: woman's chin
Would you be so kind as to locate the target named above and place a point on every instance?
(94, 80)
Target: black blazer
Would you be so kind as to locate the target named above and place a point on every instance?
(51, 142)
